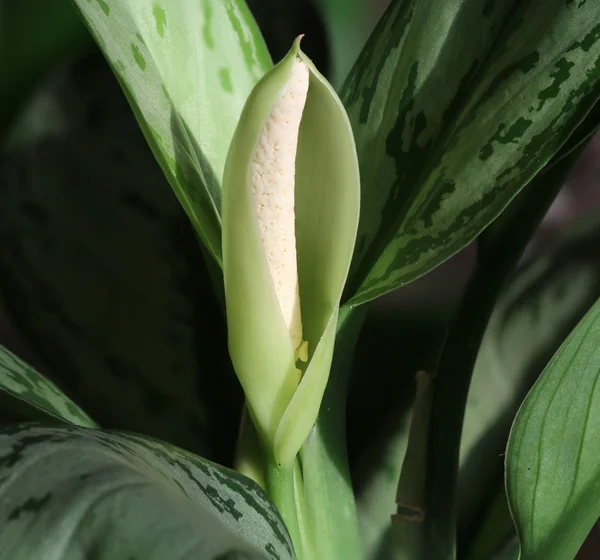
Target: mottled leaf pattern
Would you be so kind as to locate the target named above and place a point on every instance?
(553, 457)
(186, 68)
(19, 381)
(73, 494)
(451, 122)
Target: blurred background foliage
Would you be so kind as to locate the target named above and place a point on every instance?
(103, 286)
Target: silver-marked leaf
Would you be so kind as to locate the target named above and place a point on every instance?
(553, 457)
(186, 68)
(101, 271)
(451, 124)
(72, 493)
(26, 392)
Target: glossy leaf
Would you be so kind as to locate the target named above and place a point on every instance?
(186, 68)
(552, 458)
(22, 387)
(451, 124)
(73, 493)
(101, 271)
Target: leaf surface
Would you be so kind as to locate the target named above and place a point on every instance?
(186, 69)
(75, 493)
(553, 458)
(451, 124)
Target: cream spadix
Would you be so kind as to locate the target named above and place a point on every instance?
(273, 181)
(290, 213)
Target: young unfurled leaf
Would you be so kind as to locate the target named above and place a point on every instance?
(290, 212)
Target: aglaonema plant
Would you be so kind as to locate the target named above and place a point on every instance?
(459, 121)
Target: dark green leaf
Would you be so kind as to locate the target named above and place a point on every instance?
(452, 123)
(553, 457)
(75, 494)
(545, 300)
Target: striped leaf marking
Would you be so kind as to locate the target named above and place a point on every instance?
(447, 173)
(20, 381)
(407, 81)
(122, 496)
(186, 69)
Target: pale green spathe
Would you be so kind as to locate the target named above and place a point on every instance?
(327, 195)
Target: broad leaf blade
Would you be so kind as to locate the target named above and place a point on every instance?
(74, 493)
(451, 124)
(553, 458)
(24, 391)
(186, 68)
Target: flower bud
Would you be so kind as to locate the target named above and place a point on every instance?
(290, 205)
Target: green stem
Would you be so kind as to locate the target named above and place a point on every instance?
(315, 495)
(330, 503)
(285, 488)
(499, 255)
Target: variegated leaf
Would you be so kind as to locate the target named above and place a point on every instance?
(186, 68)
(26, 392)
(451, 123)
(72, 493)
